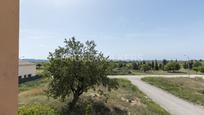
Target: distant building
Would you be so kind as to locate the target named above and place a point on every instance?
(26, 69)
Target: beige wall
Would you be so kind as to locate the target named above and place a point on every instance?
(26, 69)
(9, 31)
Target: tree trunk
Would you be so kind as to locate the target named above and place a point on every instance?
(73, 103)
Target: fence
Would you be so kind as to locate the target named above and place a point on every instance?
(23, 80)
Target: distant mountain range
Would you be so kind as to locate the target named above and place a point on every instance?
(35, 60)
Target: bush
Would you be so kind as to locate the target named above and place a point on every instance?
(202, 69)
(145, 67)
(196, 69)
(172, 66)
(36, 110)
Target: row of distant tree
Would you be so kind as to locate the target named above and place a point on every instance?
(195, 65)
(165, 65)
(156, 65)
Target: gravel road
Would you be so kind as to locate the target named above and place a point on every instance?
(171, 103)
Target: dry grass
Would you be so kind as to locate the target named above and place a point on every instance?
(128, 99)
(191, 89)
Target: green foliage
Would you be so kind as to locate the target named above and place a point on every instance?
(121, 71)
(152, 65)
(156, 67)
(201, 69)
(197, 64)
(197, 69)
(135, 66)
(121, 64)
(145, 67)
(129, 66)
(172, 66)
(161, 67)
(33, 84)
(36, 110)
(38, 66)
(164, 62)
(76, 68)
(185, 65)
(190, 64)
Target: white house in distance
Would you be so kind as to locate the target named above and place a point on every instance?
(26, 69)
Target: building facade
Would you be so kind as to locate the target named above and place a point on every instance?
(26, 69)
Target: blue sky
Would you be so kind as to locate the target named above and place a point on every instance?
(122, 29)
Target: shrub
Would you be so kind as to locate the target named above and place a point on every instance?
(36, 109)
(202, 69)
(196, 69)
(145, 67)
(172, 66)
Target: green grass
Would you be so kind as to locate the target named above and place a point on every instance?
(142, 106)
(191, 89)
(128, 99)
(33, 84)
(127, 71)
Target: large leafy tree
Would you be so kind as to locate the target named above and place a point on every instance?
(172, 66)
(76, 68)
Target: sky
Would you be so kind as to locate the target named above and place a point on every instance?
(122, 29)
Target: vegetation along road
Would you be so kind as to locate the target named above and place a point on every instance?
(171, 103)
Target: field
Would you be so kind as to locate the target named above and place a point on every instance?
(191, 89)
(127, 71)
(128, 99)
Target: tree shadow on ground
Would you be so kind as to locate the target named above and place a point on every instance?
(93, 108)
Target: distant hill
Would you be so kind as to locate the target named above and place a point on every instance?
(35, 60)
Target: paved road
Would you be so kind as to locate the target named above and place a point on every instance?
(171, 103)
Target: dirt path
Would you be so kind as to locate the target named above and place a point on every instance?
(171, 103)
